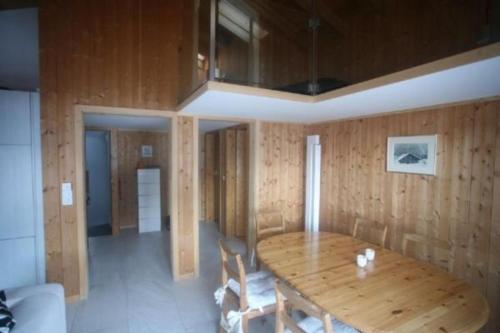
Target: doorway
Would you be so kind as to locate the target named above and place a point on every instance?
(98, 182)
(224, 181)
(127, 163)
(135, 142)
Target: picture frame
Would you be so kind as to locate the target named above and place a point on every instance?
(412, 154)
(146, 151)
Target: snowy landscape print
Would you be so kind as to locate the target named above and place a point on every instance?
(412, 154)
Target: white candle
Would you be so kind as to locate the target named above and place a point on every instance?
(361, 260)
(370, 254)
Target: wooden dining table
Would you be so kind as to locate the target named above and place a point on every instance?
(393, 293)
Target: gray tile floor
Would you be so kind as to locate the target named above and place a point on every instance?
(131, 287)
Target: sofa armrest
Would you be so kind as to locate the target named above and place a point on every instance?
(38, 309)
(15, 295)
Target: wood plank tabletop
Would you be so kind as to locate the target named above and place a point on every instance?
(393, 293)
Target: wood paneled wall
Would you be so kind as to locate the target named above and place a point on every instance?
(382, 37)
(209, 187)
(241, 183)
(221, 165)
(188, 48)
(283, 58)
(284, 51)
(459, 205)
(232, 57)
(115, 184)
(129, 160)
(126, 53)
(201, 180)
(112, 53)
(281, 162)
(186, 230)
(229, 182)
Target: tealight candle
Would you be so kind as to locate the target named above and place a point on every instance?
(370, 254)
(361, 260)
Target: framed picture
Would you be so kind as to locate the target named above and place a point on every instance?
(147, 151)
(412, 154)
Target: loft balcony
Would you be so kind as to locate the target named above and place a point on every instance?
(318, 60)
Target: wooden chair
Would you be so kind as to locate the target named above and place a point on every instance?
(288, 300)
(269, 223)
(245, 292)
(378, 232)
(424, 241)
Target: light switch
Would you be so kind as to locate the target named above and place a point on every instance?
(66, 194)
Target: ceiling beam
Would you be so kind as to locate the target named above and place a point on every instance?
(17, 4)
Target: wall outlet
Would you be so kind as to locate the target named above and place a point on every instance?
(66, 194)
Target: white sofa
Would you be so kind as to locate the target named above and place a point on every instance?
(38, 309)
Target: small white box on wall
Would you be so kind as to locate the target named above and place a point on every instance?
(66, 194)
(147, 151)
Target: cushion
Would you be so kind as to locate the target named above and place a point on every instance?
(258, 275)
(314, 325)
(7, 321)
(260, 289)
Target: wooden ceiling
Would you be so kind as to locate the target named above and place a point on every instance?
(17, 4)
(339, 16)
(286, 17)
(291, 17)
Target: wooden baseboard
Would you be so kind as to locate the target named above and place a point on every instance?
(132, 226)
(185, 276)
(72, 299)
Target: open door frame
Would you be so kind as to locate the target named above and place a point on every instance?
(174, 211)
(80, 190)
(253, 175)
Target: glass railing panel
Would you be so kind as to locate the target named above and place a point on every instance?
(263, 43)
(203, 41)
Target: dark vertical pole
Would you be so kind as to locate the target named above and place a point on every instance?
(251, 55)
(213, 29)
(313, 51)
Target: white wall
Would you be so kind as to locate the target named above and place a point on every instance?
(19, 49)
(22, 249)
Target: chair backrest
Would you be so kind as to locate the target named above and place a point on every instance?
(229, 272)
(377, 232)
(269, 223)
(426, 242)
(294, 301)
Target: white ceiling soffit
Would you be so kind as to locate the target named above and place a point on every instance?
(469, 76)
(214, 125)
(156, 124)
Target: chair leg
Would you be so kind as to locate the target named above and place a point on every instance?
(244, 323)
(224, 311)
(280, 327)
